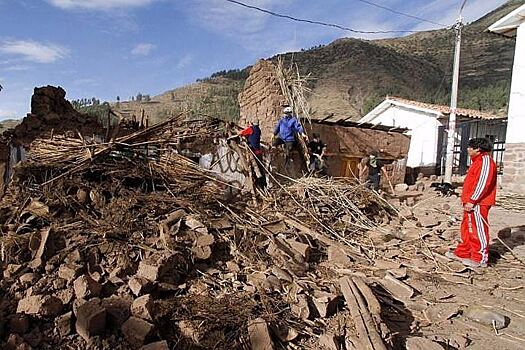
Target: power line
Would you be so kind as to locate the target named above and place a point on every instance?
(326, 24)
(402, 13)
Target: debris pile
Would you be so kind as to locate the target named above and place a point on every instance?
(131, 244)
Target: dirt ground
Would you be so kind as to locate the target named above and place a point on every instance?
(439, 310)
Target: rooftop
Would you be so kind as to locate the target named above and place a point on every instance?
(429, 108)
(508, 25)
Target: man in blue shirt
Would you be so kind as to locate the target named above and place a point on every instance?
(285, 130)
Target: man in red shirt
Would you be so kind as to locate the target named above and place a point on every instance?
(479, 194)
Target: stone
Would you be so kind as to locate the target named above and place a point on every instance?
(27, 278)
(91, 319)
(59, 283)
(117, 311)
(409, 233)
(19, 324)
(40, 305)
(232, 267)
(86, 287)
(33, 338)
(256, 279)
(64, 324)
(162, 267)
(328, 341)
(427, 220)
(13, 341)
(68, 272)
(65, 295)
(338, 257)
(259, 335)
(139, 285)
(282, 274)
(301, 248)
(24, 346)
(325, 303)
(159, 345)
(401, 188)
(142, 307)
(419, 343)
(11, 270)
(272, 283)
(137, 331)
(485, 316)
(301, 309)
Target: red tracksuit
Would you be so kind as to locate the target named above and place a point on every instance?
(479, 189)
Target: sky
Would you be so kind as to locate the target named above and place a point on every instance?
(110, 48)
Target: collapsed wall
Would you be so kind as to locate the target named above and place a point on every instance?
(50, 113)
(262, 98)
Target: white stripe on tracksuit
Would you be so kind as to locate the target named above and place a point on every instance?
(481, 234)
(483, 176)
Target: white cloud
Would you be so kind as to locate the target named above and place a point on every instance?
(447, 11)
(7, 114)
(184, 61)
(86, 81)
(17, 68)
(101, 5)
(34, 51)
(143, 49)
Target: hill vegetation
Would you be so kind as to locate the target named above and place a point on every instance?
(350, 76)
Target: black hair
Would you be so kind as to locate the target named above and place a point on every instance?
(316, 135)
(480, 143)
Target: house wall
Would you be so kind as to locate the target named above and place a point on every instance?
(346, 146)
(423, 129)
(514, 159)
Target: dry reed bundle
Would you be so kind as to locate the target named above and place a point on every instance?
(294, 88)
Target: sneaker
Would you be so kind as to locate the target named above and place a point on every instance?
(451, 255)
(473, 264)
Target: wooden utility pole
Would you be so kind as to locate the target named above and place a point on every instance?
(451, 132)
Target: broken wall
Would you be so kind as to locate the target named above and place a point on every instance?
(262, 98)
(347, 145)
(50, 113)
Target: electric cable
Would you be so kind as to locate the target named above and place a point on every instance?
(326, 24)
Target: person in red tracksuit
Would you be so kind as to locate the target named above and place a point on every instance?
(479, 194)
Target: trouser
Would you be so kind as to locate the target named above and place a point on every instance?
(288, 145)
(374, 180)
(475, 235)
(316, 163)
(261, 181)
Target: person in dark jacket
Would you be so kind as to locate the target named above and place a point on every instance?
(253, 137)
(317, 148)
(375, 166)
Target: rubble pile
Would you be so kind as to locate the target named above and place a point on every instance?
(132, 245)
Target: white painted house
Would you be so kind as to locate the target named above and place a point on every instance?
(427, 123)
(513, 25)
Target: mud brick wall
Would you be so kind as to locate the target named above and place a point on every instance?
(346, 145)
(50, 111)
(262, 98)
(514, 168)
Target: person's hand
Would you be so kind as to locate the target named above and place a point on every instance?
(305, 137)
(468, 206)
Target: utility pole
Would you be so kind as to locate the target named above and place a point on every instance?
(451, 132)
